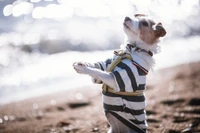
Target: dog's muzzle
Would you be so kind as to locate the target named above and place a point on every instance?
(132, 24)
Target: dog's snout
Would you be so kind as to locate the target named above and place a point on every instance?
(127, 19)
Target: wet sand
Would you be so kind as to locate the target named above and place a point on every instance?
(173, 106)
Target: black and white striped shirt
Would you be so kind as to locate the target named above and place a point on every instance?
(129, 76)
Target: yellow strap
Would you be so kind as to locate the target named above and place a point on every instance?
(106, 88)
(114, 64)
(118, 60)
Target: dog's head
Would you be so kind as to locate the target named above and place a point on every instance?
(141, 27)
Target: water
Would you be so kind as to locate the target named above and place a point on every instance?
(79, 22)
(42, 74)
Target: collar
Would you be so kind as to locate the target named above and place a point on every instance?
(139, 49)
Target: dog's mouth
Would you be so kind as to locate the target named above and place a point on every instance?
(126, 26)
(126, 20)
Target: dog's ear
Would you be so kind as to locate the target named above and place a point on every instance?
(159, 30)
(140, 15)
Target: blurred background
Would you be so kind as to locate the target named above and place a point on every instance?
(40, 39)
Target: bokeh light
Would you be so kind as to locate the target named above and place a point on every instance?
(7, 11)
(22, 8)
(38, 12)
(36, 34)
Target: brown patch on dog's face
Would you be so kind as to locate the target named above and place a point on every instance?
(150, 32)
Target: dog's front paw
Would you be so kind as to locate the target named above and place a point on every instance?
(79, 67)
(79, 63)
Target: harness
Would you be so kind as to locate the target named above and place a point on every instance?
(122, 55)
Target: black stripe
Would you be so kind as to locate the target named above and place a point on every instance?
(130, 74)
(140, 72)
(127, 123)
(141, 87)
(108, 61)
(134, 112)
(101, 66)
(137, 122)
(120, 81)
(122, 109)
(127, 98)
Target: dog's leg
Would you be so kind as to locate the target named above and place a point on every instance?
(105, 77)
(92, 65)
(117, 126)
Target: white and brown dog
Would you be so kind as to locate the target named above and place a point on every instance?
(126, 113)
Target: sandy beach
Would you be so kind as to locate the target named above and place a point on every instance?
(173, 106)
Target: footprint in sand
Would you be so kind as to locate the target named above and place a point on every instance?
(21, 119)
(59, 108)
(179, 119)
(173, 131)
(194, 102)
(150, 112)
(63, 123)
(173, 102)
(191, 111)
(67, 126)
(149, 120)
(74, 105)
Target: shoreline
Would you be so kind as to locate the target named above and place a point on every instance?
(34, 76)
(173, 105)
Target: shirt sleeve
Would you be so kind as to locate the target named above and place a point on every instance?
(102, 65)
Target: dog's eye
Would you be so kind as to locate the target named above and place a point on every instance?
(144, 23)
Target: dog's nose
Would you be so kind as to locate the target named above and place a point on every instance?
(127, 19)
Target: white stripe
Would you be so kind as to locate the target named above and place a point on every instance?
(113, 100)
(134, 105)
(141, 80)
(143, 126)
(128, 116)
(120, 102)
(141, 117)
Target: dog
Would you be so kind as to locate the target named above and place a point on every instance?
(123, 97)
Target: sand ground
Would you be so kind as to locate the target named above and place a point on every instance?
(173, 106)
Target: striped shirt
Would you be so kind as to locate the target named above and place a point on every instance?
(129, 76)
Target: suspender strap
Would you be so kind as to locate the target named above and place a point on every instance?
(106, 88)
(121, 56)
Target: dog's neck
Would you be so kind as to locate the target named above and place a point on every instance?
(154, 48)
(142, 50)
(134, 47)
